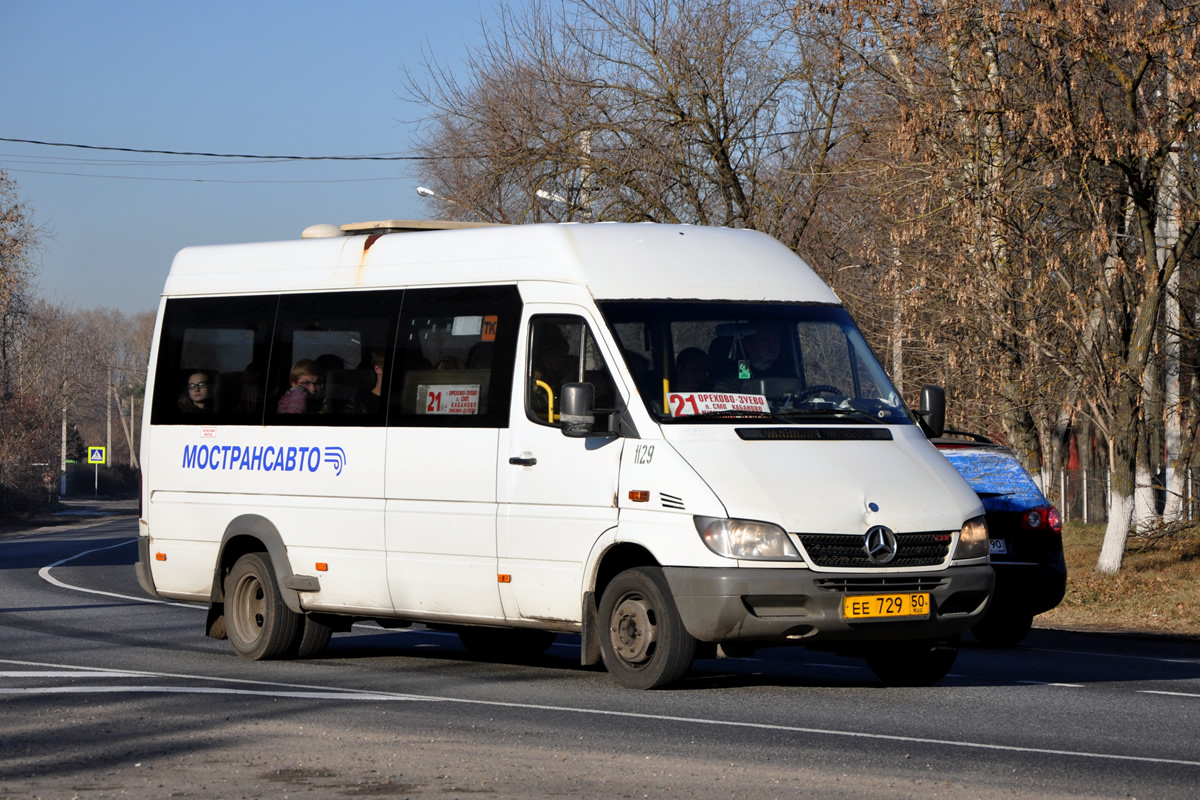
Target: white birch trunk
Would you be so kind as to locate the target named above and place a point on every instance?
(1144, 511)
(1120, 513)
(1166, 234)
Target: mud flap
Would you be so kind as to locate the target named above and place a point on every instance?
(589, 636)
(214, 626)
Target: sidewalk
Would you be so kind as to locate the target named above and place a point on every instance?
(71, 513)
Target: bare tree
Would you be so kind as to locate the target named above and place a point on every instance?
(23, 432)
(18, 239)
(1041, 134)
(722, 113)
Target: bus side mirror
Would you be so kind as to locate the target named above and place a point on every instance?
(577, 409)
(932, 414)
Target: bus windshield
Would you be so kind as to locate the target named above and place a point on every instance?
(697, 361)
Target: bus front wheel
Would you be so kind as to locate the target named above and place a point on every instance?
(918, 663)
(259, 624)
(643, 642)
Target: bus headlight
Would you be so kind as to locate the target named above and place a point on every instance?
(972, 539)
(743, 538)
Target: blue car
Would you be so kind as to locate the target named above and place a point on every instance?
(1024, 533)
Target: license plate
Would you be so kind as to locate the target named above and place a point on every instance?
(997, 547)
(876, 606)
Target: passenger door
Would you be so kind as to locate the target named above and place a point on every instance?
(559, 494)
(448, 407)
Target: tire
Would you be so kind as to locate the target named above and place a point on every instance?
(312, 639)
(1001, 628)
(642, 639)
(259, 624)
(506, 644)
(921, 663)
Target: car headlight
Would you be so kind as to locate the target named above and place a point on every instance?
(972, 539)
(743, 538)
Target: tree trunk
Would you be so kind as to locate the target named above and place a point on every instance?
(1122, 458)
(1144, 506)
(1167, 233)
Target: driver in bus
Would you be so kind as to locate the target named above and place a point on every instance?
(691, 371)
(760, 359)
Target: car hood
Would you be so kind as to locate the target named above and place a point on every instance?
(838, 486)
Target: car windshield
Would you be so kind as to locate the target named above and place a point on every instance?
(721, 361)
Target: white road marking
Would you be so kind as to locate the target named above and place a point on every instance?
(1172, 694)
(333, 695)
(44, 574)
(319, 692)
(73, 671)
(50, 673)
(1049, 683)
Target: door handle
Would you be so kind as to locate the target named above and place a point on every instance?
(523, 460)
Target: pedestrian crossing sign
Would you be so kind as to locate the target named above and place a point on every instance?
(96, 455)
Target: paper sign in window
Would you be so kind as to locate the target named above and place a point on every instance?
(684, 404)
(448, 398)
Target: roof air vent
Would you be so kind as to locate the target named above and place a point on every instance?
(321, 231)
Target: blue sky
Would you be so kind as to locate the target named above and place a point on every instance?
(291, 78)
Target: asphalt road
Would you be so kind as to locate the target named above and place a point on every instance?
(104, 693)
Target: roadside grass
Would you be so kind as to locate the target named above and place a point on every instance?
(1156, 591)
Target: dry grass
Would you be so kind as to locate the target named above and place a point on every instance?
(1156, 591)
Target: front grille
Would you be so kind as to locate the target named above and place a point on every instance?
(890, 583)
(841, 551)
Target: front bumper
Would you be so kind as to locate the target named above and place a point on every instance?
(802, 606)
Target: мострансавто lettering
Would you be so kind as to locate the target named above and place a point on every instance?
(262, 459)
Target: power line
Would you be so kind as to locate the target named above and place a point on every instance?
(195, 180)
(372, 157)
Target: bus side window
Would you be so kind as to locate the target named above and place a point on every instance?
(330, 358)
(456, 349)
(208, 354)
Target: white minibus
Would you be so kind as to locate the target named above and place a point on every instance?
(670, 440)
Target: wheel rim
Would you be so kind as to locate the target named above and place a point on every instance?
(633, 630)
(249, 608)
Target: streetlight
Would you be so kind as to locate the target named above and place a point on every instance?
(550, 196)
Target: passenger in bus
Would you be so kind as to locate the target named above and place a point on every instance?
(450, 363)
(367, 401)
(197, 395)
(304, 394)
(248, 400)
(691, 371)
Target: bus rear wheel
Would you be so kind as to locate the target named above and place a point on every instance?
(642, 640)
(259, 624)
